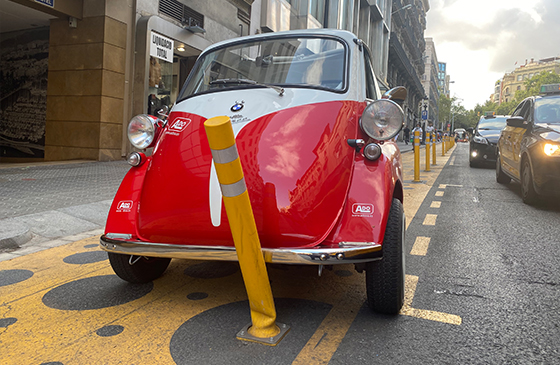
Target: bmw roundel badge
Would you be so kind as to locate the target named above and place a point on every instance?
(237, 106)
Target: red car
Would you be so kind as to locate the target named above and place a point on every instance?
(314, 136)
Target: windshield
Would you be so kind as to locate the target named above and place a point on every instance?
(497, 123)
(305, 62)
(547, 110)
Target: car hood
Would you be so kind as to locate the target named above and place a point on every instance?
(491, 135)
(297, 167)
(550, 131)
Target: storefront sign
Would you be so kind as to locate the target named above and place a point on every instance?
(161, 47)
(49, 3)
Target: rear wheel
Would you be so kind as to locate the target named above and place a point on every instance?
(385, 278)
(501, 177)
(528, 192)
(138, 269)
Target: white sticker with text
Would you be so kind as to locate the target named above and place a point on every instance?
(362, 210)
(178, 125)
(125, 206)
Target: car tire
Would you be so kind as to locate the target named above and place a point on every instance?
(138, 269)
(473, 164)
(501, 177)
(528, 193)
(385, 277)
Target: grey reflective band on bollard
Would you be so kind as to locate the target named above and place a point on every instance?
(235, 189)
(226, 155)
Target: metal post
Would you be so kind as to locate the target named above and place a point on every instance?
(434, 140)
(245, 236)
(427, 151)
(416, 156)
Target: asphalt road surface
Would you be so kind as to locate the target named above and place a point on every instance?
(482, 288)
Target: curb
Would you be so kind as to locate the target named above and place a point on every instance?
(14, 236)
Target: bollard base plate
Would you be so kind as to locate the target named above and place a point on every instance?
(244, 335)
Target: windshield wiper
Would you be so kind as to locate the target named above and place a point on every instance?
(278, 89)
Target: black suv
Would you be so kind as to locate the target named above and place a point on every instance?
(482, 147)
(529, 146)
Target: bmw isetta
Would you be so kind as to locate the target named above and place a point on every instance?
(315, 139)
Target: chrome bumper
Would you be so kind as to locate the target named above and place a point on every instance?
(347, 253)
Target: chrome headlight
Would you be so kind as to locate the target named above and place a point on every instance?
(141, 131)
(480, 140)
(382, 119)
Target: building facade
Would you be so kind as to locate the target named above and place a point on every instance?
(406, 49)
(515, 80)
(430, 82)
(74, 72)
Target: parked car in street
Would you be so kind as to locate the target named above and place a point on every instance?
(314, 137)
(529, 146)
(485, 135)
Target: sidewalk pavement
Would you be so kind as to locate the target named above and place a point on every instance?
(45, 205)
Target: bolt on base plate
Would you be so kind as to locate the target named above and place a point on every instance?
(244, 335)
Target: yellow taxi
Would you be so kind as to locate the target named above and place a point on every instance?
(529, 146)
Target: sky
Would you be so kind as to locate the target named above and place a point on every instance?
(480, 40)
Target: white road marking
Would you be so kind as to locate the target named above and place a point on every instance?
(420, 247)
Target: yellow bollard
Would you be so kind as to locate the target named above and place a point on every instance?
(443, 145)
(245, 236)
(416, 156)
(427, 151)
(434, 143)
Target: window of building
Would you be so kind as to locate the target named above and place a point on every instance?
(519, 77)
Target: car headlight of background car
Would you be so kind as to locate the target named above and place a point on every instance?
(480, 140)
(551, 149)
(382, 119)
(142, 130)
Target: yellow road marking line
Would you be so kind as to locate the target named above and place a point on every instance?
(430, 220)
(439, 193)
(325, 341)
(407, 310)
(420, 247)
(442, 186)
(435, 204)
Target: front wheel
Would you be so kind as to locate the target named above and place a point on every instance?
(385, 278)
(138, 269)
(528, 192)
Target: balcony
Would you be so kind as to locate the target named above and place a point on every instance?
(400, 57)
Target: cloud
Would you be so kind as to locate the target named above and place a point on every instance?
(509, 34)
(480, 40)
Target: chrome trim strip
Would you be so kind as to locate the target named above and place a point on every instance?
(235, 189)
(226, 155)
(304, 256)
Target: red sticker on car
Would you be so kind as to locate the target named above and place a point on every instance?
(362, 209)
(125, 206)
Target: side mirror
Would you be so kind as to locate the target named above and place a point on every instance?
(163, 112)
(517, 122)
(397, 94)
